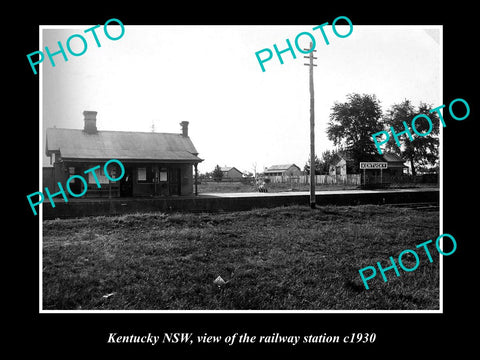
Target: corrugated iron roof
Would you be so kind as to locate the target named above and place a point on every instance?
(344, 154)
(388, 157)
(228, 168)
(280, 167)
(392, 157)
(121, 145)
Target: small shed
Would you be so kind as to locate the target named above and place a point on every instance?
(230, 172)
(342, 164)
(396, 164)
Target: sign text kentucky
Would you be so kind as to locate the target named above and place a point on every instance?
(373, 165)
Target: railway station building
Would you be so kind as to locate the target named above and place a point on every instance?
(156, 164)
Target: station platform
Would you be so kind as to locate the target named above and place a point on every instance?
(217, 202)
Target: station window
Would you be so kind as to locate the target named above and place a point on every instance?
(145, 175)
(163, 175)
(102, 179)
(142, 174)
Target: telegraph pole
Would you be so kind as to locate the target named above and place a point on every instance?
(312, 129)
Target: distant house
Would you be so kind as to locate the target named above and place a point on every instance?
(155, 163)
(343, 163)
(230, 172)
(283, 170)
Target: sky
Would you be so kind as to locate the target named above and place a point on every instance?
(209, 76)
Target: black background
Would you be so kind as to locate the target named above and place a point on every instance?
(63, 335)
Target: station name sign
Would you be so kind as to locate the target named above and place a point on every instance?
(373, 165)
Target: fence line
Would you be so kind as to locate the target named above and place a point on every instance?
(224, 180)
(351, 179)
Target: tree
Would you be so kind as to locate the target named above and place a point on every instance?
(322, 164)
(352, 124)
(327, 160)
(254, 168)
(217, 173)
(423, 150)
(306, 168)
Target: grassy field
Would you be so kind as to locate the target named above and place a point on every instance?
(289, 258)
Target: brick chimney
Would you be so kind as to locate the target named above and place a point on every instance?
(90, 119)
(184, 125)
